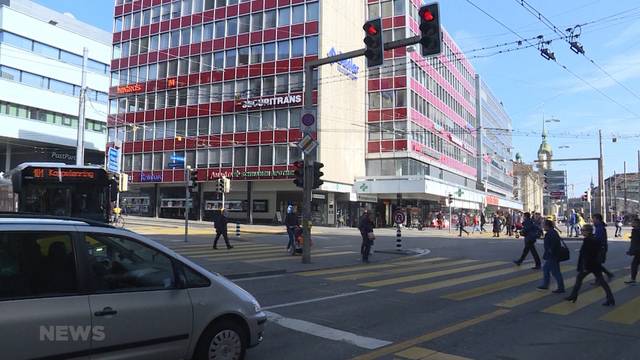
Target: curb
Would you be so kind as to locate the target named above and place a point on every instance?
(254, 274)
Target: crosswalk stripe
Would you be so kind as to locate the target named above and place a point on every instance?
(397, 270)
(210, 245)
(283, 255)
(585, 299)
(497, 286)
(403, 279)
(532, 295)
(223, 249)
(627, 314)
(459, 281)
(344, 270)
(228, 253)
(298, 258)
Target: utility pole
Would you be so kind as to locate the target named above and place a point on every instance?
(602, 207)
(614, 193)
(186, 202)
(83, 91)
(624, 184)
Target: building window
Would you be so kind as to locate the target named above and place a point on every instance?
(243, 56)
(387, 9)
(281, 152)
(296, 81)
(254, 121)
(269, 52)
(232, 27)
(282, 119)
(239, 156)
(244, 24)
(226, 157)
(297, 47)
(374, 100)
(269, 19)
(267, 120)
(256, 54)
(241, 122)
(266, 155)
(252, 156)
(283, 49)
(282, 84)
(312, 45)
(297, 14)
(312, 12)
(214, 157)
(256, 21)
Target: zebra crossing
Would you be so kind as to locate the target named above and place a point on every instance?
(513, 286)
(245, 252)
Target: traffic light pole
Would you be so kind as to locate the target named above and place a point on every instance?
(311, 156)
(186, 203)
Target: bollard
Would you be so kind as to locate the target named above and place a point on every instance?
(237, 229)
(398, 238)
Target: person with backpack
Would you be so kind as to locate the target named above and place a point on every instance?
(483, 221)
(552, 249)
(589, 263)
(497, 225)
(292, 223)
(531, 232)
(634, 250)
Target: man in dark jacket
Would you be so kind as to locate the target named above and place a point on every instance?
(600, 234)
(552, 245)
(589, 262)
(292, 223)
(462, 222)
(530, 231)
(634, 250)
(365, 226)
(220, 223)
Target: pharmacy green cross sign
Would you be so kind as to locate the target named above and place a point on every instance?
(364, 187)
(459, 192)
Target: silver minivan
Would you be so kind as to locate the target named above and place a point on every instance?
(77, 289)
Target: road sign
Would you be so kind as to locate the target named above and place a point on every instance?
(308, 122)
(399, 217)
(307, 144)
(113, 160)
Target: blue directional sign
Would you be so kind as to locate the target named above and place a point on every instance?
(113, 160)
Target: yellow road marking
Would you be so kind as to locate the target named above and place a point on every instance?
(532, 295)
(458, 281)
(497, 286)
(403, 279)
(400, 270)
(298, 258)
(229, 253)
(628, 313)
(391, 349)
(254, 256)
(420, 353)
(585, 299)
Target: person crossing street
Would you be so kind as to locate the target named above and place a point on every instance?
(462, 222)
(552, 248)
(634, 250)
(220, 223)
(601, 235)
(291, 222)
(365, 226)
(531, 232)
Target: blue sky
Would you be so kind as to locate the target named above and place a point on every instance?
(529, 86)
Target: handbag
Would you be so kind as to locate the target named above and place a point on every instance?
(564, 254)
(371, 236)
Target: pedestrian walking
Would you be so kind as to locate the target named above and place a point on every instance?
(601, 235)
(571, 224)
(634, 250)
(580, 222)
(291, 222)
(497, 224)
(589, 263)
(619, 222)
(552, 248)
(530, 232)
(220, 223)
(476, 223)
(509, 224)
(462, 222)
(366, 231)
(439, 220)
(483, 221)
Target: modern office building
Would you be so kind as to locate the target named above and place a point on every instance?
(495, 165)
(41, 54)
(217, 85)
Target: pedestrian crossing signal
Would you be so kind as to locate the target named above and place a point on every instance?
(299, 173)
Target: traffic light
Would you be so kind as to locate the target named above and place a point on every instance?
(585, 196)
(374, 42)
(219, 185)
(450, 199)
(430, 29)
(193, 179)
(299, 173)
(226, 184)
(317, 174)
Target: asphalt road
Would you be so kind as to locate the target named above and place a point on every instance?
(463, 298)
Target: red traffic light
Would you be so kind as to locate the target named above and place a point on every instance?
(427, 15)
(370, 29)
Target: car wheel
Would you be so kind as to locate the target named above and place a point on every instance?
(223, 341)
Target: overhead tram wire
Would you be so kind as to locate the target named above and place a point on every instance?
(558, 63)
(544, 20)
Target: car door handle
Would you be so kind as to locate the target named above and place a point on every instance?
(106, 311)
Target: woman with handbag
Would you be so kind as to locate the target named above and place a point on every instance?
(634, 250)
(366, 231)
(553, 254)
(589, 263)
